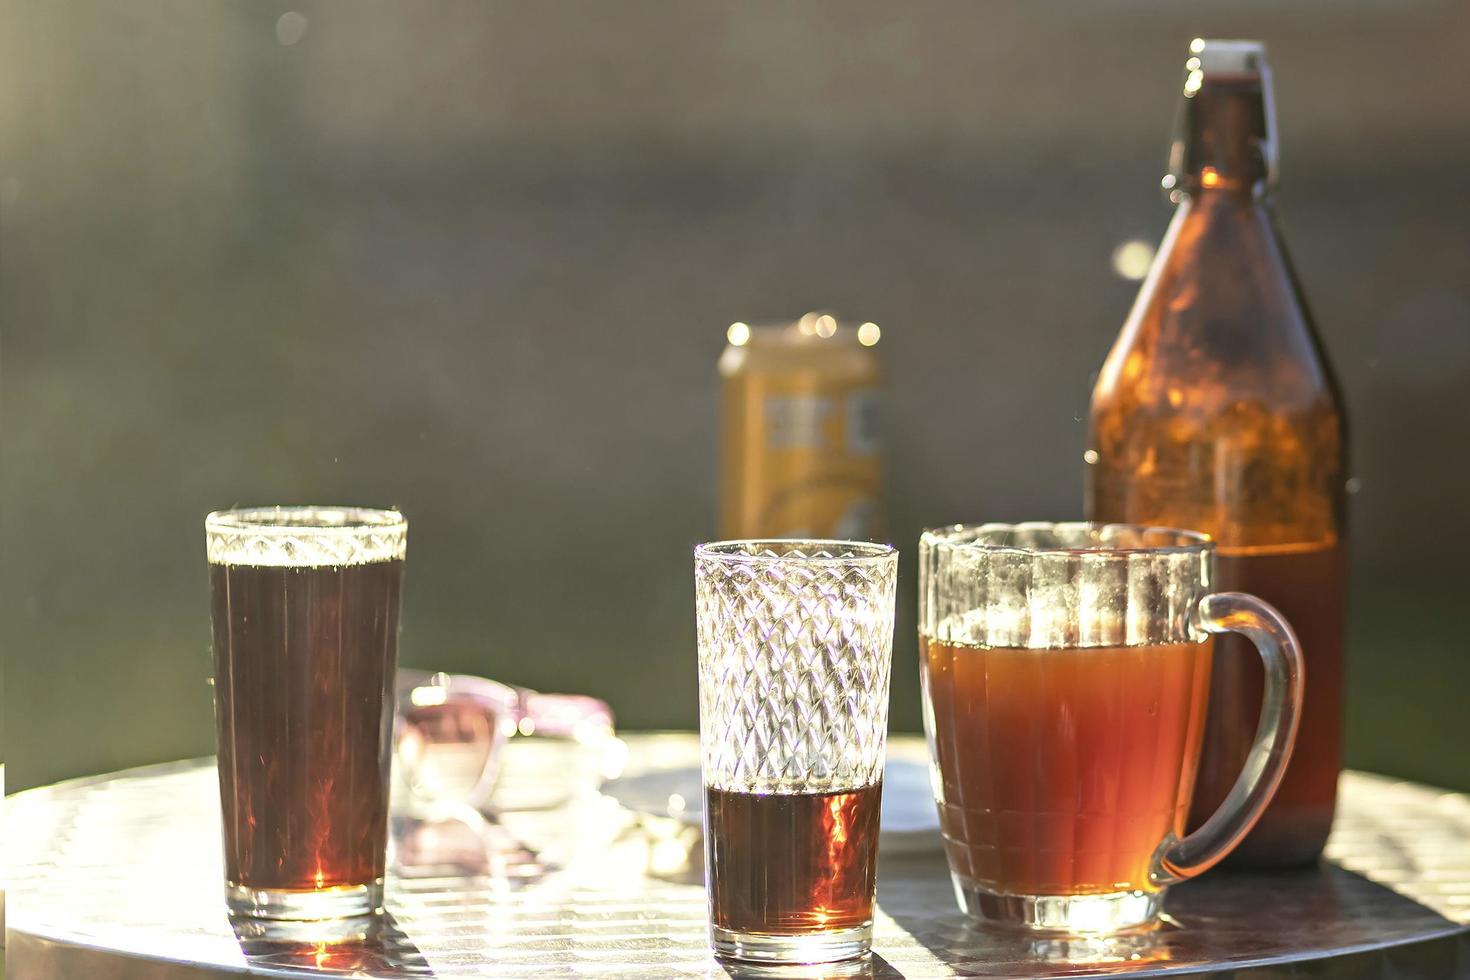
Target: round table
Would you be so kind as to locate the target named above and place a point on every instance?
(119, 876)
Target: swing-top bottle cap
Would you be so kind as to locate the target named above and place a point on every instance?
(1227, 129)
(1216, 59)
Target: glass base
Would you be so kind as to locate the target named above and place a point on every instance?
(302, 905)
(1062, 915)
(812, 947)
(268, 935)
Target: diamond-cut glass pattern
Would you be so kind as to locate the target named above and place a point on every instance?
(795, 649)
(305, 537)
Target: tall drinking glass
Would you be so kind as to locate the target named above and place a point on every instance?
(795, 648)
(305, 605)
(1066, 669)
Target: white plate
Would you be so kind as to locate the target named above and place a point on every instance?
(909, 822)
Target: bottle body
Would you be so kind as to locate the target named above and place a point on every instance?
(800, 453)
(1216, 411)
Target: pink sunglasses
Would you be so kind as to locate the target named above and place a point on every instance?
(451, 732)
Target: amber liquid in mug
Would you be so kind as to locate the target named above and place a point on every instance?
(1063, 770)
(304, 670)
(791, 863)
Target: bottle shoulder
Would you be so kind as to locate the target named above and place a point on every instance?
(1220, 318)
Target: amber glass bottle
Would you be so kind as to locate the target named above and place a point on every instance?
(1216, 411)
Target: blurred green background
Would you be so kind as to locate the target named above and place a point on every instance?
(476, 260)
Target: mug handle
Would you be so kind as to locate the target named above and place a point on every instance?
(1281, 708)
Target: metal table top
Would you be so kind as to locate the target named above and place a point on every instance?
(119, 877)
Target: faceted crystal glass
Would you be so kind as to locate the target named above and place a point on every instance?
(795, 648)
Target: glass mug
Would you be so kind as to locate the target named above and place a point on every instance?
(1065, 671)
(305, 604)
(795, 651)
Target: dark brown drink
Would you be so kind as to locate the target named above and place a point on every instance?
(791, 864)
(304, 665)
(1308, 586)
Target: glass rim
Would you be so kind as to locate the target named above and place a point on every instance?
(950, 536)
(747, 551)
(311, 519)
(304, 537)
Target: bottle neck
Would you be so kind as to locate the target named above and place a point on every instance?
(1225, 145)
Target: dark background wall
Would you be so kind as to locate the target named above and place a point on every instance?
(476, 260)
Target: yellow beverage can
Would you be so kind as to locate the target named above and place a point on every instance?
(800, 449)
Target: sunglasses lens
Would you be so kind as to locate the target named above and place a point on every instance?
(447, 750)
